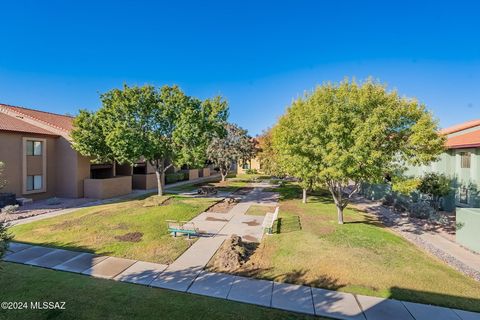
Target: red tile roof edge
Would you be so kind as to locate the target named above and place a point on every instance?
(18, 109)
(460, 127)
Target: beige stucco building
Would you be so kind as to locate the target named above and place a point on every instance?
(40, 162)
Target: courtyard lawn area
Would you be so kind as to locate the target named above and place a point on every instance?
(134, 229)
(361, 256)
(256, 210)
(91, 298)
(230, 185)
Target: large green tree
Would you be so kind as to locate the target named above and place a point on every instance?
(233, 146)
(162, 126)
(343, 134)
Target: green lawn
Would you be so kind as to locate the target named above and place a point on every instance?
(256, 210)
(134, 229)
(90, 298)
(230, 185)
(360, 256)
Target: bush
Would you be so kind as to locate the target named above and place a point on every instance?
(389, 200)
(251, 171)
(405, 186)
(436, 186)
(421, 210)
(174, 177)
(5, 238)
(10, 209)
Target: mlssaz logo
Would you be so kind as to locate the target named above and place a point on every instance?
(47, 305)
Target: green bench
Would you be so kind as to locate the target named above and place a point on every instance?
(184, 227)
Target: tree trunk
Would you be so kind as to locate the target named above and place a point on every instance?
(223, 174)
(160, 174)
(337, 198)
(304, 195)
(339, 213)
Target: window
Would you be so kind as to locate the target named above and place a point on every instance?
(34, 183)
(34, 148)
(465, 160)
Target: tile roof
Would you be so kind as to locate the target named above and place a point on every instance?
(11, 123)
(57, 121)
(466, 140)
(460, 127)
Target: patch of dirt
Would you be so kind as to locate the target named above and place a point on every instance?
(130, 237)
(223, 206)
(233, 254)
(251, 223)
(243, 191)
(215, 219)
(250, 238)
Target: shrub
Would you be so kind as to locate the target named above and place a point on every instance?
(421, 210)
(10, 209)
(251, 171)
(388, 200)
(5, 238)
(405, 186)
(436, 186)
(174, 177)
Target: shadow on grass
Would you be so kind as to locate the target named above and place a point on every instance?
(288, 224)
(295, 277)
(446, 300)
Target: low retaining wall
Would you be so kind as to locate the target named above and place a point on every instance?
(468, 228)
(144, 181)
(192, 174)
(206, 172)
(107, 188)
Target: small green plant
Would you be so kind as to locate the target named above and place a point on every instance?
(436, 186)
(405, 186)
(9, 209)
(174, 177)
(5, 238)
(251, 171)
(421, 210)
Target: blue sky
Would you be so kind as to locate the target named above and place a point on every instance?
(59, 55)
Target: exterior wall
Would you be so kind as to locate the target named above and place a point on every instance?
(468, 225)
(464, 178)
(107, 188)
(206, 172)
(18, 164)
(253, 163)
(71, 168)
(144, 181)
(192, 174)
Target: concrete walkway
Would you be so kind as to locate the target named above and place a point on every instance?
(134, 194)
(195, 280)
(215, 228)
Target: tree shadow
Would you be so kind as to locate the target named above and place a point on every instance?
(440, 299)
